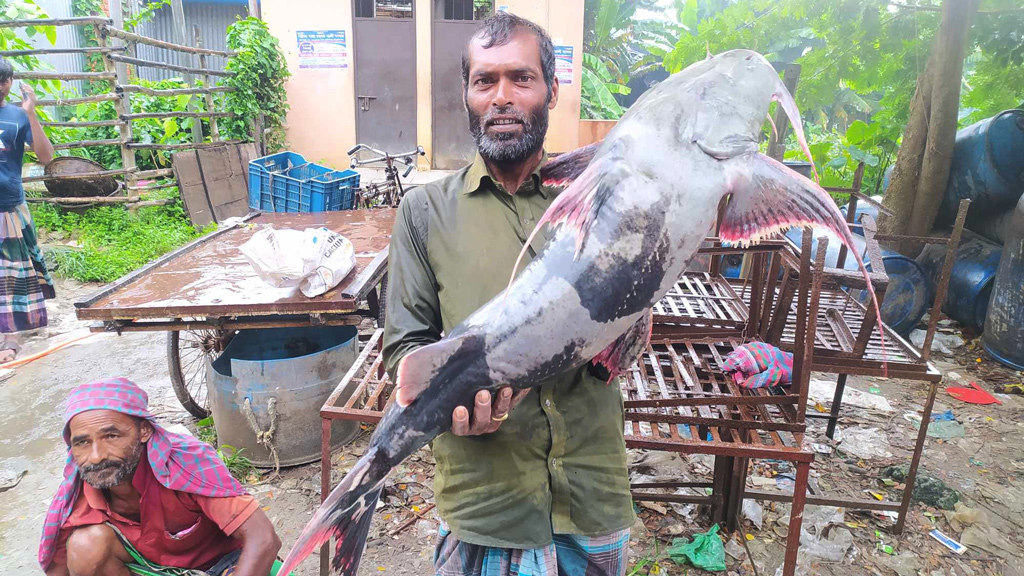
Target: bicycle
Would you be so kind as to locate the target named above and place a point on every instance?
(390, 191)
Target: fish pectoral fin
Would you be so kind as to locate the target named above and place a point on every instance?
(419, 368)
(626, 349)
(565, 168)
(767, 197)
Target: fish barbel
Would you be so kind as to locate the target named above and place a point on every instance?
(636, 208)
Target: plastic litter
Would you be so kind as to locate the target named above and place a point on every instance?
(824, 391)
(705, 551)
(753, 511)
(927, 488)
(943, 429)
(864, 443)
(990, 540)
(941, 342)
(948, 542)
(963, 515)
(973, 395)
(314, 259)
(735, 549)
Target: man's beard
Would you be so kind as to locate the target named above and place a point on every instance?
(110, 473)
(506, 147)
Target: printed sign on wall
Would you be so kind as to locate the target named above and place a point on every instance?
(563, 64)
(322, 48)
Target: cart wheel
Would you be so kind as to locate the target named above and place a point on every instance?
(381, 300)
(187, 352)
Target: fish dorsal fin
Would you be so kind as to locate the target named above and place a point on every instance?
(767, 197)
(563, 169)
(579, 204)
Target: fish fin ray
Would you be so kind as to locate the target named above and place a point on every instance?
(563, 169)
(627, 348)
(346, 515)
(581, 201)
(417, 368)
(767, 197)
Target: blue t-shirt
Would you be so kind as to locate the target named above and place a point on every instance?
(15, 133)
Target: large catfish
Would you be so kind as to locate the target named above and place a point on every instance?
(636, 210)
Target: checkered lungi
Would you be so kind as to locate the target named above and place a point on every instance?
(567, 555)
(25, 285)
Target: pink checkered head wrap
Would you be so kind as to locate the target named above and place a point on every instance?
(179, 462)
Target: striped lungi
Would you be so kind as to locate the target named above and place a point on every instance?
(24, 282)
(567, 555)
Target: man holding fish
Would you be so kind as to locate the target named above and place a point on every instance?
(542, 489)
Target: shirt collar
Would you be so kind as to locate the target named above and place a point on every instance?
(478, 176)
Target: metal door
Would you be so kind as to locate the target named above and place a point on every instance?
(454, 22)
(385, 71)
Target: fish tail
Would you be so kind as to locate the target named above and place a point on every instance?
(345, 516)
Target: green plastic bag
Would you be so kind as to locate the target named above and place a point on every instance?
(706, 551)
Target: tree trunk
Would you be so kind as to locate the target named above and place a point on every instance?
(919, 176)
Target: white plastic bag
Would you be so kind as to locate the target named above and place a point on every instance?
(315, 259)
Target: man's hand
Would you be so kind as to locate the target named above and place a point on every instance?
(487, 416)
(28, 98)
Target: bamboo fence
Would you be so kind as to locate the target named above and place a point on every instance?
(117, 48)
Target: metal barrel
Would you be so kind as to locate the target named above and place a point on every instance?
(298, 368)
(970, 283)
(1004, 324)
(909, 293)
(987, 167)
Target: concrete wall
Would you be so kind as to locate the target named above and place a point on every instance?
(321, 123)
(593, 130)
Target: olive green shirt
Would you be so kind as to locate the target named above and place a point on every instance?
(558, 464)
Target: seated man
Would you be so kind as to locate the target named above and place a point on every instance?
(137, 499)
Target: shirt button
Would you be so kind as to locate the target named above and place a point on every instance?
(548, 403)
(554, 462)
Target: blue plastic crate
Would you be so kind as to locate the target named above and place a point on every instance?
(261, 173)
(285, 182)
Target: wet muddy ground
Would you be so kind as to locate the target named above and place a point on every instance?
(985, 467)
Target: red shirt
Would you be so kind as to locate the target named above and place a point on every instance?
(175, 528)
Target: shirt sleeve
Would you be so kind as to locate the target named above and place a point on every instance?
(412, 307)
(228, 513)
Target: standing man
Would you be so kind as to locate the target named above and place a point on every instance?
(25, 285)
(542, 490)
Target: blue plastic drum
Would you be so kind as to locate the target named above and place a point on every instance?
(970, 283)
(909, 294)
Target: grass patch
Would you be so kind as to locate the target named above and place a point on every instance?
(239, 466)
(111, 240)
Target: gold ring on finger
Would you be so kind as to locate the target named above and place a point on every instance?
(502, 419)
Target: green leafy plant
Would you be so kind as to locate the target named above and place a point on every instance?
(239, 466)
(597, 100)
(260, 72)
(145, 14)
(206, 431)
(111, 241)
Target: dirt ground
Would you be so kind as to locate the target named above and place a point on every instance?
(984, 468)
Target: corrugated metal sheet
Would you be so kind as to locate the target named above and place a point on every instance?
(213, 21)
(67, 37)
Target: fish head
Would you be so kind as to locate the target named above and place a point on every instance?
(731, 93)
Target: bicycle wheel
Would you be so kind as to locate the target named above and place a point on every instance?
(187, 353)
